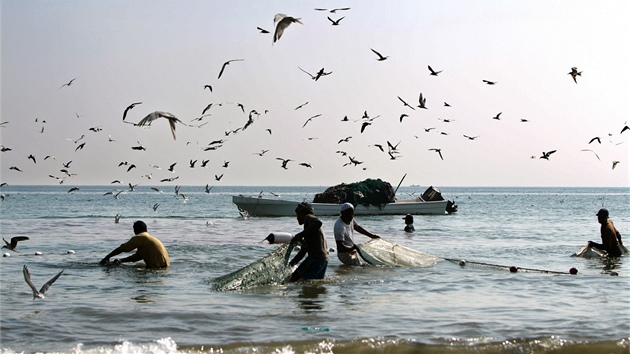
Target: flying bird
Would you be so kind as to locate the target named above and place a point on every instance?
(308, 120)
(226, 64)
(575, 73)
(80, 147)
(139, 147)
(15, 168)
(405, 103)
(497, 117)
(380, 57)
(433, 72)
(595, 139)
(283, 21)
(172, 120)
(73, 189)
(284, 162)
(335, 22)
(489, 82)
(42, 291)
(423, 101)
(332, 11)
(439, 151)
(592, 152)
(545, 155)
(614, 164)
(68, 83)
(128, 108)
(218, 178)
(624, 129)
(14, 241)
(32, 158)
(262, 30)
(471, 137)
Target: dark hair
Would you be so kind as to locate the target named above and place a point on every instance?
(139, 226)
(304, 208)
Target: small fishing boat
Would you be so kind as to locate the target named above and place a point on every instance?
(258, 206)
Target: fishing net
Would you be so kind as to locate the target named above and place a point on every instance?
(271, 269)
(381, 252)
(368, 192)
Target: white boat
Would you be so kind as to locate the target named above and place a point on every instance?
(258, 206)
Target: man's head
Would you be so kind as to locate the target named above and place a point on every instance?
(302, 210)
(602, 215)
(139, 227)
(347, 212)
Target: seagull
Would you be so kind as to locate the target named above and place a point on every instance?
(68, 83)
(380, 57)
(226, 64)
(207, 87)
(471, 137)
(319, 74)
(595, 139)
(262, 30)
(284, 162)
(614, 164)
(300, 106)
(489, 82)
(545, 155)
(332, 11)
(156, 206)
(446, 104)
(335, 22)
(159, 114)
(73, 189)
(128, 108)
(422, 101)
(625, 127)
(497, 117)
(366, 124)
(403, 116)
(592, 152)
(344, 140)
(139, 147)
(405, 103)
(208, 188)
(574, 74)
(439, 151)
(42, 291)
(32, 158)
(433, 72)
(14, 242)
(308, 120)
(218, 178)
(306, 164)
(283, 22)
(80, 147)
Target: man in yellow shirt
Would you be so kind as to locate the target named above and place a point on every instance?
(149, 249)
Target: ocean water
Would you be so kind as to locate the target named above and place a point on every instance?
(446, 308)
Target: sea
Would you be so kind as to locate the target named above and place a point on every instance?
(480, 307)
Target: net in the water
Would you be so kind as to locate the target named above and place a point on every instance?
(381, 252)
(271, 269)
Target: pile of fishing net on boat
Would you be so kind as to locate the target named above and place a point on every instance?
(385, 253)
(368, 192)
(271, 269)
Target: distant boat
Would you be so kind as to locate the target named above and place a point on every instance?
(258, 206)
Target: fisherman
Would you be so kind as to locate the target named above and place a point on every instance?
(150, 249)
(409, 223)
(344, 229)
(611, 238)
(313, 243)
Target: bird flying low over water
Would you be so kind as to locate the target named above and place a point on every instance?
(42, 291)
(575, 73)
(380, 57)
(545, 155)
(226, 64)
(172, 120)
(283, 21)
(14, 241)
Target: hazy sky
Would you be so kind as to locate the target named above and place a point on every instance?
(163, 53)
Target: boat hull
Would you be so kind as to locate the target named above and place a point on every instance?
(255, 206)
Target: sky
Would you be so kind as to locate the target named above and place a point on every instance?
(163, 54)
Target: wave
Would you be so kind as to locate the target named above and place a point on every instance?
(360, 345)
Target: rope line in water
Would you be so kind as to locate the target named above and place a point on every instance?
(512, 269)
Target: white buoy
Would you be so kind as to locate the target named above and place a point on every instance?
(38, 253)
(6, 254)
(279, 237)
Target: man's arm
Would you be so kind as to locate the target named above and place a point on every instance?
(113, 253)
(132, 258)
(358, 228)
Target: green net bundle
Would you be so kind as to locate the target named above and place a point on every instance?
(368, 192)
(271, 269)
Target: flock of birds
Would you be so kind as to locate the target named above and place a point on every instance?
(282, 24)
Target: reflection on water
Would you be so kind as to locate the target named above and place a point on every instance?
(309, 297)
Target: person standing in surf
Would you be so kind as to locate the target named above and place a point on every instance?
(313, 244)
(611, 238)
(344, 230)
(149, 249)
